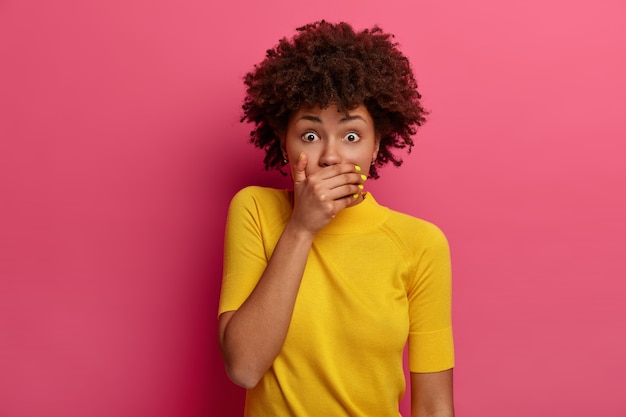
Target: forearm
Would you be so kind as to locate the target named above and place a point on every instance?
(440, 413)
(253, 336)
(432, 394)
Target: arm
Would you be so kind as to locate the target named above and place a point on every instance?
(252, 336)
(431, 394)
(431, 347)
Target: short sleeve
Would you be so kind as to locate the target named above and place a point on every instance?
(431, 346)
(244, 252)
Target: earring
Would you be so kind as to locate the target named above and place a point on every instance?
(285, 160)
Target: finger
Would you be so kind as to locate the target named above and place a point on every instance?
(337, 187)
(349, 191)
(345, 202)
(353, 179)
(335, 170)
(299, 173)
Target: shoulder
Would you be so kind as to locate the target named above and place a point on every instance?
(425, 249)
(415, 232)
(406, 223)
(255, 191)
(262, 203)
(260, 196)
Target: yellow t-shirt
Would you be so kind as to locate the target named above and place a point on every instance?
(374, 277)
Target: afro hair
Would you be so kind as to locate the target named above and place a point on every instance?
(326, 64)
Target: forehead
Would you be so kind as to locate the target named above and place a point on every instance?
(330, 113)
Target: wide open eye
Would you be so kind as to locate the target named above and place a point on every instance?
(310, 137)
(352, 137)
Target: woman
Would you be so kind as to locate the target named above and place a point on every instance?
(323, 286)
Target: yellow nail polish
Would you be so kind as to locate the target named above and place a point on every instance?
(361, 186)
(357, 168)
(300, 156)
(363, 177)
(356, 195)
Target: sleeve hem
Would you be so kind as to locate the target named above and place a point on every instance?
(431, 351)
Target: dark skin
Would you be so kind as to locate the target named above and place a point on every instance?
(328, 149)
(251, 337)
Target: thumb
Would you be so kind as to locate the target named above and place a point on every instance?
(299, 174)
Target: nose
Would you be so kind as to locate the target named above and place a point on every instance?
(330, 154)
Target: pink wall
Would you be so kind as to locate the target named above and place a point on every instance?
(120, 148)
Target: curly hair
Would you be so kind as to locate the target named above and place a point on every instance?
(328, 64)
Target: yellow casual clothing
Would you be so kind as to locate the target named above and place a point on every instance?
(373, 278)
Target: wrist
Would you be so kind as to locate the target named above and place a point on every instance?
(298, 233)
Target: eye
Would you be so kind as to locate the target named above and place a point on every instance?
(310, 137)
(352, 137)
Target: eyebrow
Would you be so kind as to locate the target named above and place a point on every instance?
(347, 118)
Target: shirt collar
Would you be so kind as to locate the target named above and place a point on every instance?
(366, 215)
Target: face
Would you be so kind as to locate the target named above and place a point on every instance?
(328, 136)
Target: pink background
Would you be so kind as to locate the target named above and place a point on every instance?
(120, 149)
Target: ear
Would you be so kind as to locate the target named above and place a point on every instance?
(376, 148)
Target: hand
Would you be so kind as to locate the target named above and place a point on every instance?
(321, 195)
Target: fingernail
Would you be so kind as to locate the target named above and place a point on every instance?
(357, 168)
(356, 195)
(300, 156)
(363, 177)
(361, 186)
